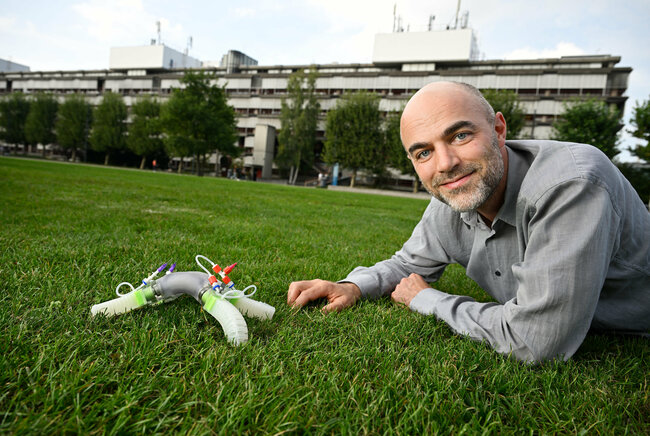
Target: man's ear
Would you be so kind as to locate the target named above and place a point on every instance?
(500, 128)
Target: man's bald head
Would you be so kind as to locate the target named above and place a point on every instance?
(432, 90)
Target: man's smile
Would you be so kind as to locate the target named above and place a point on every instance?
(457, 182)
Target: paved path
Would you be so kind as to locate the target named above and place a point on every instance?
(420, 195)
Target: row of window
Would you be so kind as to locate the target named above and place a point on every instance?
(250, 131)
(401, 92)
(410, 91)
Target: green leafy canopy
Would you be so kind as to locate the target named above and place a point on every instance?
(590, 122)
(197, 118)
(109, 125)
(299, 121)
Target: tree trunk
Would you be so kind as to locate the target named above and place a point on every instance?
(74, 154)
(290, 175)
(142, 162)
(353, 178)
(295, 175)
(197, 160)
(106, 159)
(416, 185)
(180, 166)
(43, 150)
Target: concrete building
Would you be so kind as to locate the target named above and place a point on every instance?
(234, 59)
(256, 92)
(9, 66)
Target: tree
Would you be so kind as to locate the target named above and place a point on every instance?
(13, 115)
(73, 123)
(299, 120)
(145, 130)
(353, 134)
(109, 125)
(197, 119)
(507, 103)
(590, 122)
(641, 122)
(39, 126)
(639, 176)
(397, 156)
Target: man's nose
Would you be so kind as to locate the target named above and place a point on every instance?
(447, 159)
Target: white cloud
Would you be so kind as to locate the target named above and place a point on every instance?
(244, 12)
(7, 23)
(126, 22)
(105, 19)
(560, 49)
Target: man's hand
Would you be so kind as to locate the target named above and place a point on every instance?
(339, 295)
(408, 288)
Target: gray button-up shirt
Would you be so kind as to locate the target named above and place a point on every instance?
(568, 251)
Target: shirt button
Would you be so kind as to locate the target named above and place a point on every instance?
(497, 273)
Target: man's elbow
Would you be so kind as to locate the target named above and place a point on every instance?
(538, 355)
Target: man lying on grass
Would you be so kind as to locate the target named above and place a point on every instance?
(551, 230)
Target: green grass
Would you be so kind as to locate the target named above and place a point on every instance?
(70, 233)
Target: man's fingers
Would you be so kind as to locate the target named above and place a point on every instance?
(408, 288)
(398, 297)
(296, 288)
(310, 294)
(339, 295)
(335, 306)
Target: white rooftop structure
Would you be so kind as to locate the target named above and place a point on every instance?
(431, 46)
(150, 56)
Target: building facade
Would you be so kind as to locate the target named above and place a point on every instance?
(256, 92)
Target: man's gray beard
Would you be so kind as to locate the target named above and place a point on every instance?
(468, 198)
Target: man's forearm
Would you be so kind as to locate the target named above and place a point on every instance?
(479, 321)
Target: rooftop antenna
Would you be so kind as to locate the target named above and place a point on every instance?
(394, 16)
(431, 19)
(457, 11)
(464, 20)
(158, 26)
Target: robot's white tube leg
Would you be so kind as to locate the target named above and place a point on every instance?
(123, 304)
(232, 322)
(254, 308)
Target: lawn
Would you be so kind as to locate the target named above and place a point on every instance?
(70, 233)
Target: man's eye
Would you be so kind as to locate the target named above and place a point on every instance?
(462, 136)
(423, 154)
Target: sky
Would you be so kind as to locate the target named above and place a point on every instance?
(51, 35)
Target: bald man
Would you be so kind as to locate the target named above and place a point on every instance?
(551, 230)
